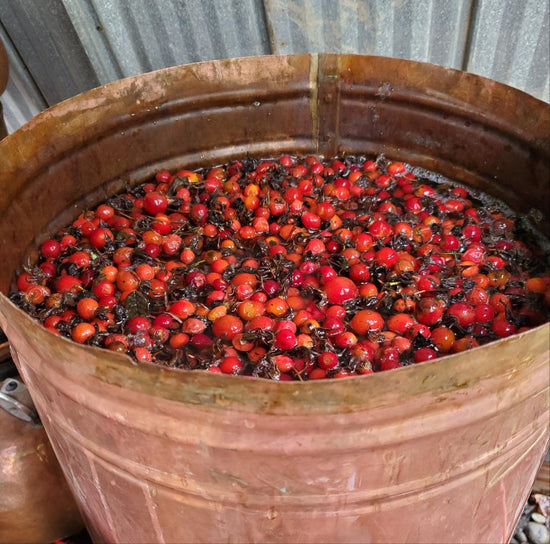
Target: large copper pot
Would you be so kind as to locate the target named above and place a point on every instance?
(444, 451)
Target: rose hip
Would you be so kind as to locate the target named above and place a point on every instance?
(288, 269)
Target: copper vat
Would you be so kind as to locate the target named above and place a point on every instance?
(444, 451)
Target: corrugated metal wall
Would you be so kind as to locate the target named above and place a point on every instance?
(58, 48)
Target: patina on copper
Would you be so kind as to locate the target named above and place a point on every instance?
(160, 455)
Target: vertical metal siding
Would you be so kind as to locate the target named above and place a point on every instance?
(511, 43)
(44, 37)
(425, 30)
(68, 46)
(91, 34)
(125, 38)
(21, 99)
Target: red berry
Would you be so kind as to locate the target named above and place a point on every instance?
(429, 311)
(82, 332)
(138, 323)
(365, 321)
(285, 339)
(503, 328)
(68, 284)
(386, 257)
(442, 339)
(327, 360)
(424, 354)
(344, 340)
(340, 289)
(399, 323)
(231, 365)
(388, 359)
(463, 313)
(450, 243)
(359, 273)
(484, 313)
(227, 327)
(311, 221)
(25, 281)
(284, 362)
(155, 202)
(100, 237)
(50, 249)
(82, 259)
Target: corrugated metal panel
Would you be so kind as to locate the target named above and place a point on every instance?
(511, 43)
(131, 37)
(21, 99)
(69, 46)
(96, 45)
(44, 37)
(425, 30)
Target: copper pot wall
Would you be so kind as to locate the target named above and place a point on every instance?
(444, 451)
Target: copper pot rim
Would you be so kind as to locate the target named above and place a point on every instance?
(129, 80)
(126, 83)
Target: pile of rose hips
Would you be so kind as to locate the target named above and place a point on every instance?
(289, 269)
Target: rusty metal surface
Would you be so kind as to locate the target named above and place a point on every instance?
(160, 455)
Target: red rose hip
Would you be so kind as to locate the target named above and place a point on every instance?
(340, 289)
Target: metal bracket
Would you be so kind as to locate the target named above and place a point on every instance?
(16, 400)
